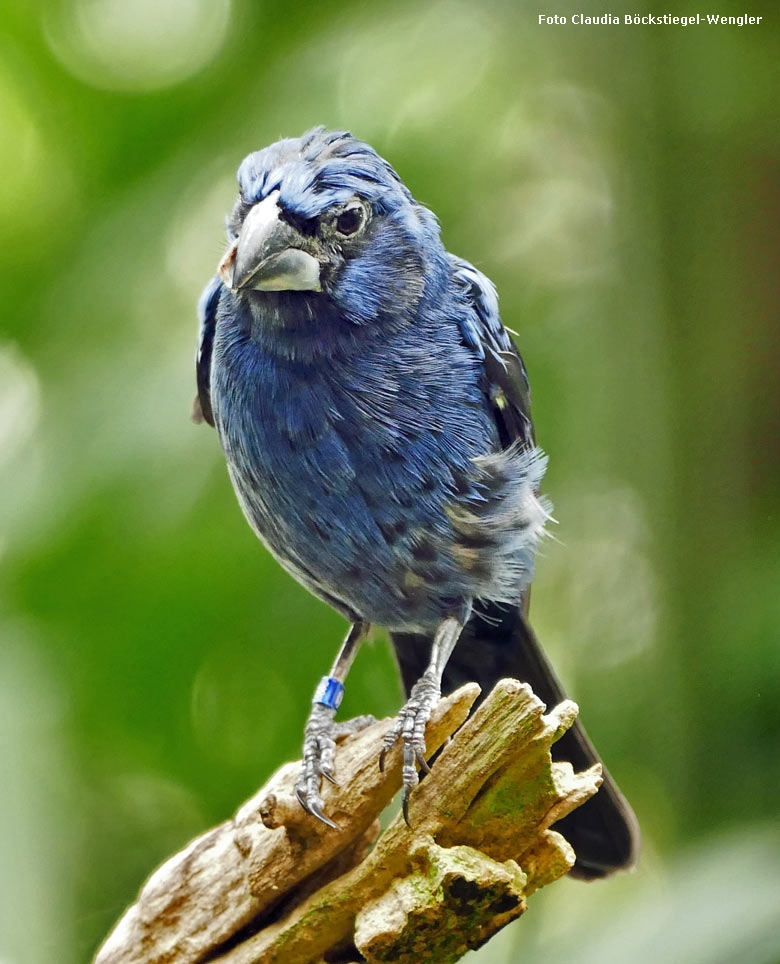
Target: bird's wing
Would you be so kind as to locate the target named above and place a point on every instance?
(505, 377)
(506, 381)
(207, 318)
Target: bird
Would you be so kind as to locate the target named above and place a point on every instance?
(375, 418)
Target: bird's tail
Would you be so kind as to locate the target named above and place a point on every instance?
(603, 831)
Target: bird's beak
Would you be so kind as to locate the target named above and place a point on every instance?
(268, 254)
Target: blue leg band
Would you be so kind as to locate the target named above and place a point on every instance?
(330, 692)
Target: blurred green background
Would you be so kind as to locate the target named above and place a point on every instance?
(620, 185)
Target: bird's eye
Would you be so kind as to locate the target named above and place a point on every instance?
(350, 221)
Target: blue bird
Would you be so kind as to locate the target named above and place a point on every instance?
(375, 419)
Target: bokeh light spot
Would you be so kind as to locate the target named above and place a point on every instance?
(137, 46)
(196, 241)
(421, 44)
(30, 198)
(19, 402)
(605, 587)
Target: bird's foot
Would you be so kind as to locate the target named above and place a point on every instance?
(319, 747)
(410, 728)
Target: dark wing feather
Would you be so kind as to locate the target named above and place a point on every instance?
(207, 318)
(506, 381)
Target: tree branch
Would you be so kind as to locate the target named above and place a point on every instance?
(276, 886)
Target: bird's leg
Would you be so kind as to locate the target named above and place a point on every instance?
(319, 743)
(411, 722)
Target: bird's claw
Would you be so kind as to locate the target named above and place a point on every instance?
(319, 747)
(410, 728)
(314, 807)
(329, 776)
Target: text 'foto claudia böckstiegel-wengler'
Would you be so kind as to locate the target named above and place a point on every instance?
(636, 19)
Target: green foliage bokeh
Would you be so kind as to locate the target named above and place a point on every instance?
(619, 184)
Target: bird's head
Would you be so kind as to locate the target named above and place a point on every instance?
(326, 215)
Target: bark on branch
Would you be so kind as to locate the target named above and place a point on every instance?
(275, 886)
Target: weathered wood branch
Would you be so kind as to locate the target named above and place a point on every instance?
(275, 886)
